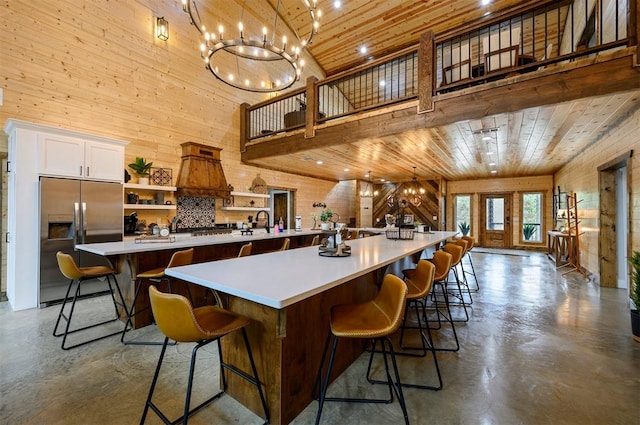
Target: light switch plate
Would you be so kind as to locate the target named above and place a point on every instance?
(1, 96)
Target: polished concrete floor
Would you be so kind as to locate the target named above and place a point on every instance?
(540, 348)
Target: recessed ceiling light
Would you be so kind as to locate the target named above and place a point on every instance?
(486, 2)
(493, 171)
(383, 83)
(491, 164)
(363, 50)
(489, 153)
(337, 4)
(319, 162)
(486, 138)
(346, 170)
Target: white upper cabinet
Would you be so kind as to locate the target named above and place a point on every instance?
(65, 156)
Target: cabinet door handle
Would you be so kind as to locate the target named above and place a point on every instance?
(8, 166)
(87, 171)
(7, 238)
(81, 171)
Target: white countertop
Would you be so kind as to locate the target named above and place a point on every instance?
(280, 279)
(184, 240)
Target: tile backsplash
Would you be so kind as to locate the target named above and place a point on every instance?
(196, 211)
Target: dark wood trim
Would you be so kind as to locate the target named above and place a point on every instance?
(312, 99)
(426, 72)
(568, 83)
(618, 162)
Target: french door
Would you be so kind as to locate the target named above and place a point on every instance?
(495, 220)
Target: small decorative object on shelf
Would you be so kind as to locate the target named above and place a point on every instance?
(228, 202)
(259, 186)
(161, 176)
(141, 167)
(333, 245)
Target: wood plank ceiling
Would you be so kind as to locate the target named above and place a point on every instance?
(536, 141)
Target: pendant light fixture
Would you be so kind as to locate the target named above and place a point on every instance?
(414, 192)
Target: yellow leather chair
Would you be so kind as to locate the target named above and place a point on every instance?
(285, 244)
(465, 244)
(178, 320)
(419, 285)
(245, 250)
(456, 252)
(157, 275)
(375, 320)
(471, 243)
(315, 240)
(71, 271)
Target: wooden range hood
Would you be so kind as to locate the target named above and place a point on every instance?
(201, 172)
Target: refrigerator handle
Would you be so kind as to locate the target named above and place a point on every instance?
(76, 223)
(84, 222)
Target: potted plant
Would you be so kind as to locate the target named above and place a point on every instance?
(141, 168)
(528, 230)
(464, 228)
(325, 218)
(635, 295)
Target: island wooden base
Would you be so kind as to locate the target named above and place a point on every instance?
(287, 346)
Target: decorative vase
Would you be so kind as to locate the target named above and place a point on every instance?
(635, 324)
(324, 225)
(143, 180)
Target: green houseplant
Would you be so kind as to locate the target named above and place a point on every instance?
(464, 228)
(141, 167)
(325, 218)
(635, 295)
(528, 231)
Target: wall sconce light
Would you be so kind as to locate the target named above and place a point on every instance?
(162, 29)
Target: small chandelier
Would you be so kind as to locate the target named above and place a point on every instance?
(367, 188)
(251, 62)
(414, 192)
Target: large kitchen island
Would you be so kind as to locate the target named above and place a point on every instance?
(289, 295)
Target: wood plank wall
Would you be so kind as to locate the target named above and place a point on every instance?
(515, 186)
(97, 67)
(581, 176)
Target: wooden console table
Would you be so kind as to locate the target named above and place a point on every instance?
(560, 247)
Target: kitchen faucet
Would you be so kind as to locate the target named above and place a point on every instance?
(266, 226)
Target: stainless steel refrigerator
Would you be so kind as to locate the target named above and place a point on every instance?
(75, 212)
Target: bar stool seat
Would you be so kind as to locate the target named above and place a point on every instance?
(375, 320)
(71, 271)
(157, 275)
(178, 320)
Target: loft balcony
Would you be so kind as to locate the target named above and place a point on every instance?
(551, 52)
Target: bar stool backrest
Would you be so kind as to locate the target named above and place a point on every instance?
(245, 250)
(174, 316)
(315, 240)
(391, 300)
(464, 244)
(456, 252)
(181, 258)
(285, 244)
(421, 283)
(68, 266)
(442, 260)
(470, 242)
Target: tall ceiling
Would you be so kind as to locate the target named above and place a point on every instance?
(535, 141)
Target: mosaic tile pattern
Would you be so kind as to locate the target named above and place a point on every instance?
(196, 211)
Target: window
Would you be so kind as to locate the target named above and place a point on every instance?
(462, 214)
(532, 217)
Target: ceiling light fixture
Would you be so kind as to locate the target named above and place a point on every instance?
(414, 192)
(367, 188)
(253, 62)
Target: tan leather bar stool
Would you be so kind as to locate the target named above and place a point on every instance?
(376, 320)
(419, 284)
(471, 243)
(464, 283)
(315, 241)
(442, 261)
(456, 252)
(179, 258)
(245, 250)
(285, 244)
(178, 320)
(71, 271)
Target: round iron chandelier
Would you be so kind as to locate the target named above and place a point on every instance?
(256, 63)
